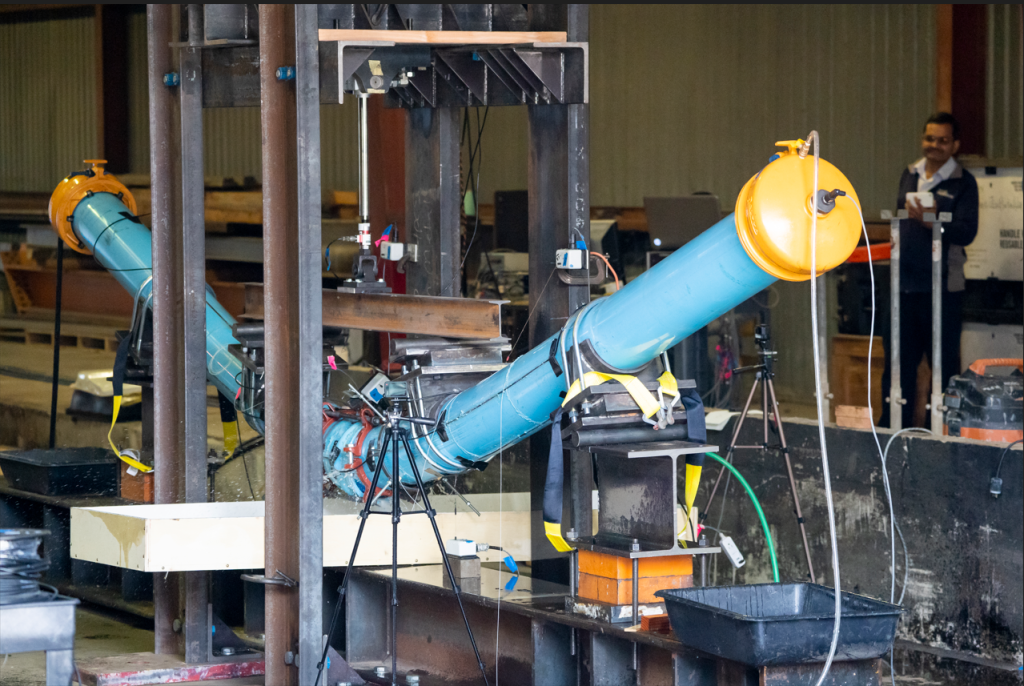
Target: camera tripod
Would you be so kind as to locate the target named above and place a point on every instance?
(396, 436)
(764, 374)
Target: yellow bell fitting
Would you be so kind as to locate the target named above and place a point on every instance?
(79, 185)
(773, 216)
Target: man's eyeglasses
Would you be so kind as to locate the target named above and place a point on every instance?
(941, 141)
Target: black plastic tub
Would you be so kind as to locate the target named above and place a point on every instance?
(64, 471)
(777, 624)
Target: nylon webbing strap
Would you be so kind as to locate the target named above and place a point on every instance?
(553, 489)
(648, 404)
(120, 362)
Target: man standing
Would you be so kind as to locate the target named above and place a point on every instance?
(953, 190)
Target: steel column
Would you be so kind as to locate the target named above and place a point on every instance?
(281, 306)
(310, 330)
(432, 199)
(197, 631)
(935, 401)
(895, 393)
(559, 196)
(169, 375)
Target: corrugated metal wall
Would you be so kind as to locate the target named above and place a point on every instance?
(691, 97)
(1005, 107)
(47, 99)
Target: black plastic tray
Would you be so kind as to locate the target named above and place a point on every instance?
(777, 624)
(64, 471)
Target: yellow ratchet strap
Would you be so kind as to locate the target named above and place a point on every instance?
(553, 530)
(110, 438)
(649, 405)
(668, 383)
(692, 483)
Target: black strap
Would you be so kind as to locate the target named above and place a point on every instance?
(696, 428)
(553, 481)
(120, 363)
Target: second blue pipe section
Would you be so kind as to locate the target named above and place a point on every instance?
(684, 292)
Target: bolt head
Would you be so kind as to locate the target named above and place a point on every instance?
(176, 626)
(171, 79)
(379, 672)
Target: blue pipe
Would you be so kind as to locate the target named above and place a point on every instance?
(684, 292)
(122, 244)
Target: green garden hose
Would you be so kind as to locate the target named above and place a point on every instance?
(760, 513)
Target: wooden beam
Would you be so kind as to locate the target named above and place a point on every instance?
(445, 37)
(968, 96)
(419, 314)
(944, 58)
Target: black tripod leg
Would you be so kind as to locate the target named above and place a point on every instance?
(363, 516)
(447, 566)
(396, 517)
(792, 481)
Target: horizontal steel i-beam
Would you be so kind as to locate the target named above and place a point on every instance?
(417, 314)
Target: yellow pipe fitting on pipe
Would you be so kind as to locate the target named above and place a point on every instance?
(79, 185)
(773, 216)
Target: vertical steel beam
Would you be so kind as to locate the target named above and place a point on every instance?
(559, 197)
(895, 393)
(197, 630)
(168, 281)
(935, 401)
(432, 198)
(310, 330)
(281, 299)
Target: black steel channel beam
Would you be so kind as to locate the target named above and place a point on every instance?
(168, 285)
(197, 630)
(559, 197)
(432, 200)
(311, 512)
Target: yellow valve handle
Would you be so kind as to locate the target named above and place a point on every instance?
(553, 530)
(110, 438)
(649, 405)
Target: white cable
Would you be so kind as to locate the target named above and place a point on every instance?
(501, 544)
(874, 433)
(813, 136)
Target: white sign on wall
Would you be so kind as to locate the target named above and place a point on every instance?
(998, 250)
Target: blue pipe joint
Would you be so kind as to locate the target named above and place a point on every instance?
(697, 283)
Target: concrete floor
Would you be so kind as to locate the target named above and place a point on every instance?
(96, 635)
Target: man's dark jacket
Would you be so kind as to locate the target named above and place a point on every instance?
(957, 195)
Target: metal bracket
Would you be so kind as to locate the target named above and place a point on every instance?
(279, 579)
(580, 277)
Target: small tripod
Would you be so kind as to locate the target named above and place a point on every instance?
(395, 436)
(765, 373)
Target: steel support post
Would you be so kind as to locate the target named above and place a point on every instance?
(432, 198)
(559, 196)
(936, 399)
(895, 393)
(310, 331)
(168, 284)
(822, 334)
(197, 630)
(281, 319)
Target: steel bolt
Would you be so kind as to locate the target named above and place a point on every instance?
(285, 73)
(289, 658)
(636, 544)
(571, 534)
(379, 672)
(227, 651)
(702, 542)
(171, 79)
(413, 679)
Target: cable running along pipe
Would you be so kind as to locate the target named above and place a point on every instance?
(760, 513)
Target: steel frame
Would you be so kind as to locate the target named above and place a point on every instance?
(223, 68)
